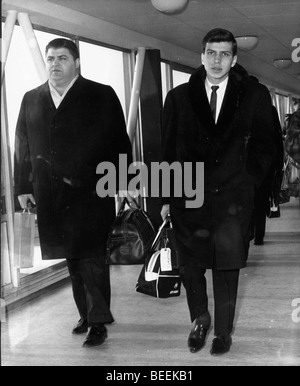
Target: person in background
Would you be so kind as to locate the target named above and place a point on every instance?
(66, 127)
(295, 106)
(267, 194)
(292, 149)
(224, 120)
(292, 139)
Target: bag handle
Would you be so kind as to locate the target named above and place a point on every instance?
(162, 227)
(150, 266)
(26, 210)
(129, 203)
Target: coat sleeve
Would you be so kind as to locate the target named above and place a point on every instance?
(169, 134)
(278, 164)
(122, 144)
(23, 176)
(120, 140)
(169, 137)
(262, 146)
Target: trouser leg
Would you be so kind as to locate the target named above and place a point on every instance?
(261, 208)
(78, 288)
(97, 286)
(194, 281)
(225, 287)
(260, 224)
(259, 221)
(94, 274)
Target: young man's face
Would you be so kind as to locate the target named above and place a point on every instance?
(218, 59)
(61, 66)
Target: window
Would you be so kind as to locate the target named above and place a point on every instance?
(103, 65)
(180, 77)
(172, 78)
(283, 105)
(21, 75)
(164, 80)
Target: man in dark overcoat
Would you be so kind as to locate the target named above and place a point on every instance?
(230, 128)
(66, 127)
(267, 193)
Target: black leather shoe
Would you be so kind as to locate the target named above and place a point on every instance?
(81, 327)
(197, 337)
(221, 345)
(96, 336)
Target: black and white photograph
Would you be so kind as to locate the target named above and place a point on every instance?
(150, 178)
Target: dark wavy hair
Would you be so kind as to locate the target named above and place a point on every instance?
(218, 35)
(64, 43)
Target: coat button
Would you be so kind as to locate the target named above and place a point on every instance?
(52, 152)
(54, 177)
(215, 191)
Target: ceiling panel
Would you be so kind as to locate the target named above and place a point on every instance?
(270, 9)
(208, 11)
(237, 27)
(276, 22)
(256, 3)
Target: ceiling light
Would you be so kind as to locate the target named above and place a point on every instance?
(247, 43)
(282, 63)
(170, 6)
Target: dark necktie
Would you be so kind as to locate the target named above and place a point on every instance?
(213, 101)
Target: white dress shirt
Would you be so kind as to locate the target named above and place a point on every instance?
(56, 97)
(220, 94)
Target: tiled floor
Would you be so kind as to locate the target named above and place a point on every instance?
(152, 332)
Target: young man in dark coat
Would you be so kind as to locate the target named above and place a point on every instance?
(66, 127)
(234, 139)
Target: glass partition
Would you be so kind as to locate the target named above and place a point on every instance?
(103, 65)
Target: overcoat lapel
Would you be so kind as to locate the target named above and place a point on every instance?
(231, 108)
(69, 99)
(200, 102)
(230, 105)
(72, 95)
(46, 98)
